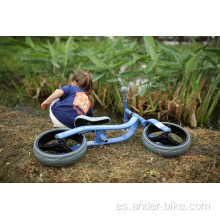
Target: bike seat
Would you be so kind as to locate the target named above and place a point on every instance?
(83, 120)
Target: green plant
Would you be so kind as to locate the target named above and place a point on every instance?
(166, 81)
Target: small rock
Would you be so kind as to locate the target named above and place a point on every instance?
(144, 176)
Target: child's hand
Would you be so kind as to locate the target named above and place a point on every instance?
(57, 94)
(44, 104)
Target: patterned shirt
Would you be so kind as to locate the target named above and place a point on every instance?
(74, 102)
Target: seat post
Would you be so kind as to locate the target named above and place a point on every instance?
(124, 96)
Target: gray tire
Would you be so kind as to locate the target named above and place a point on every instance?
(164, 150)
(59, 160)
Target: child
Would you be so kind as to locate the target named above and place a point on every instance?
(69, 101)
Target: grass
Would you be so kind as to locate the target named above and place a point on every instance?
(127, 162)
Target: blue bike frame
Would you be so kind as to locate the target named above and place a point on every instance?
(100, 130)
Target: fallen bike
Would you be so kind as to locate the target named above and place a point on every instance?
(63, 146)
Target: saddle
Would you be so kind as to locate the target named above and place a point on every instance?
(83, 120)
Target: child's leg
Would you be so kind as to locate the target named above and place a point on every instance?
(54, 119)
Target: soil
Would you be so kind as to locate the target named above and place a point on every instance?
(127, 162)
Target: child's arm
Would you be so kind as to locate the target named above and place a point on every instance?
(57, 94)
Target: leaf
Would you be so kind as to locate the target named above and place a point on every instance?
(42, 46)
(153, 172)
(15, 43)
(129, 73)
(29, 41)
(150, 46)
(55, 64)
(217, 97)
(52, 51)
(112, 80)
(139, 56)
(38, 55)
(39, 71)
(133, 44)
(96, 68)
(167, 49)
(194, 84)
(195, 97)
(209, 96)
(184, 55)
(165, 73)
(194, 43)
(196, 50)
(195, 87)
(124, 52)
(95, 60)
(58, 43)
(211, 61)
(168, 64)
(131, 62)
(118, 65)
(157, 85)
(150, 98)
(191, 64)
(213, 50)
(143, 90)
(119, 44)
(42, 61)
(68, 50)
(150, 65)
(97, 76)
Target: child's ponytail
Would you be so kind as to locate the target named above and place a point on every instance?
(84, 81)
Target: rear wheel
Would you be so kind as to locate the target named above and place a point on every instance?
(166, 144)
(59, 152)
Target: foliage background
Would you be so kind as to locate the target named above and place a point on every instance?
(179, 82)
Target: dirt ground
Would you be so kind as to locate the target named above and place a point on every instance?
(126, 162)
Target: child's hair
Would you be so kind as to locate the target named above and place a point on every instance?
(84, 81)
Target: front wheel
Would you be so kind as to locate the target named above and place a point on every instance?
(59, 152)
(166, 144)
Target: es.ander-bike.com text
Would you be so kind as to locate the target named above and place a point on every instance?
(167, 206)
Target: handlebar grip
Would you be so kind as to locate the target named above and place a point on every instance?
(124, 90)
